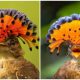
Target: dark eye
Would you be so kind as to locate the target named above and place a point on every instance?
(12, 43)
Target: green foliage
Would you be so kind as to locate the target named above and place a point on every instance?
(69, 9)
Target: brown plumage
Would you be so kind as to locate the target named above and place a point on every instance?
(14, 66)
(17, 69)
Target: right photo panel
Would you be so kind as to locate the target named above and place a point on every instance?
(60, 39)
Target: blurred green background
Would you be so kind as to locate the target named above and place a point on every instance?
(31, 9)
(50, 12)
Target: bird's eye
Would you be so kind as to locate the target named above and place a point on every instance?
(12, 43)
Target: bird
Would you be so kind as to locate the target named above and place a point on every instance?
(65, 30)
(15, 25)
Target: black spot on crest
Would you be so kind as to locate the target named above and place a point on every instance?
(27, 33)
(68, 36)
(63, 21)
(13, 22)
(15, 17)
(2, 15)
(37, 47)
(51, 31)
(23, 42)
(33, 40)
(2, 21)
(11, 13)
(4, 31)
(69, 29)
(30, 49)
(54, 39)
(20, 18)
(29, 26)
(49, 36)
(34, 27)
(27, 20)
(7, 26)
(74, 18)
(37, 39)
(58, 26)
(74, 30)
(23, 23)
(34, 33)
(11, 31)
(63, 34)
(69, 20)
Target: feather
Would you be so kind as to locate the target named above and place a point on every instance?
(14, 23)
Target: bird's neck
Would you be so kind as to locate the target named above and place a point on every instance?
(6, 53)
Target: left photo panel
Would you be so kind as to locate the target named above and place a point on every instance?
(19, 39)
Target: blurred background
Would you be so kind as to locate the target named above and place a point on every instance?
(50, 12)
(31, 10)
